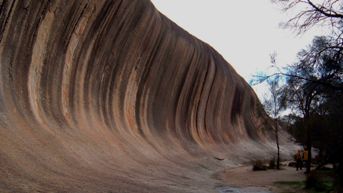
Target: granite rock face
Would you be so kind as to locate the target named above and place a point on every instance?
(111, 96)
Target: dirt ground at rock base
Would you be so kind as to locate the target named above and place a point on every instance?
(245, 177)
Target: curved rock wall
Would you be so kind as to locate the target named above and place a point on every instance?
(111, 96)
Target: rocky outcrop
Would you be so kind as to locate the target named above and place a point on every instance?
(111, 96)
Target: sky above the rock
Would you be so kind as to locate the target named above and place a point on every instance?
(244, 32)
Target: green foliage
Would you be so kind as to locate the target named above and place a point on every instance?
(320, 181)
(293, 184)
(319, 186)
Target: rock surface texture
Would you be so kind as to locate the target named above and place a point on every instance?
(111, 96)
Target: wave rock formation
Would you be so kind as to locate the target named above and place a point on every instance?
(111, 96)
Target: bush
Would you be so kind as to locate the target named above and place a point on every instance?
(272, 164)
(259, 166)
(319, 181)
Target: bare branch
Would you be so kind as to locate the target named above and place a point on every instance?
(328, 12)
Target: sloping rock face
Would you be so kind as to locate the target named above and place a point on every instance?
(111, 96)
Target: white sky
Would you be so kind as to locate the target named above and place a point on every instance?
(244, 32)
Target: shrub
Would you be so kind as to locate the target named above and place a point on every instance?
(259, 166)
(272, 164)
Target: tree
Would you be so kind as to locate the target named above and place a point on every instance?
(312, 80)
(309, 13)
(273, 107)
(314, 84)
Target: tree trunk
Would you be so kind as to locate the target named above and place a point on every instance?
(339, 169)
(309, 149)
(339, 178)
(309, 184)
(277, 145)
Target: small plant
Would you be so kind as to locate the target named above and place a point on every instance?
(259, 166)
(272, 164)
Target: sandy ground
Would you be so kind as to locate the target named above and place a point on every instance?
(244, 177)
